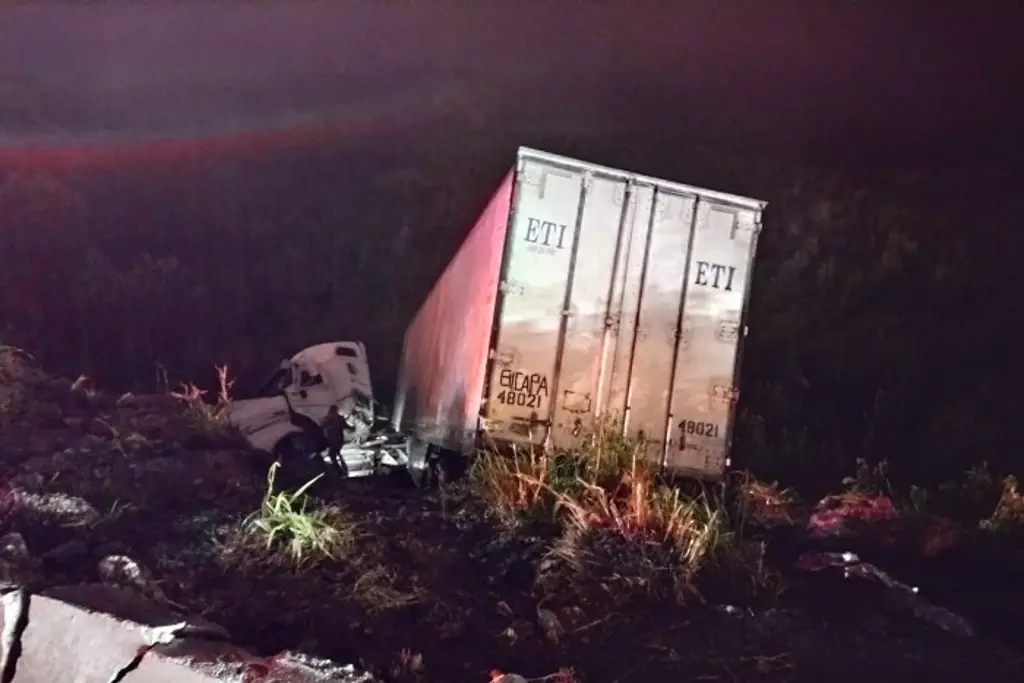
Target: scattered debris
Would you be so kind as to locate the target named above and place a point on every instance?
(908, 596)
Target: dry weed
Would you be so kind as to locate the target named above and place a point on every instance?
(211, 418)
(1008, 517)
(377, 591)
(768, 502)
(665, 538)
(529, 480)
(512, 485)
(618, 517)
(408, 663)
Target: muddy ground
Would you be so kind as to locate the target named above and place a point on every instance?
(432, 589)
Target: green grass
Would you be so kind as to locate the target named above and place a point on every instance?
(299, 533)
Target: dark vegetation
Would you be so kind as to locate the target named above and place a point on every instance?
(583, 563)
(878, 365)
(879, 324)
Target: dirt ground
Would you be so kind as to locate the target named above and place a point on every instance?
(127, 490)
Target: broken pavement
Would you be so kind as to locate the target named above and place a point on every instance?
(97, 633)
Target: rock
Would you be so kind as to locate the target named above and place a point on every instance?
(93, 634)
(28, 481)
(550, 625)
(66, 552)
(188, 660)
(112, 548)
(518, 630)
(124, 571)
(74, 422)
(56, 508)
(13, 576)
(126, 604)
(14, 550)
(289, 667)
(192, 660)
(96, 634)
(48, 415)
(42, 466)
(229, 467)
(501, 677)
(573, 617)
(61, 642)
(103, 427)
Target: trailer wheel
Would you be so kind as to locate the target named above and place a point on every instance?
(450, 466)
(294, 446)
(419, 461)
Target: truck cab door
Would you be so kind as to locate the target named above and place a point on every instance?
(309, 394)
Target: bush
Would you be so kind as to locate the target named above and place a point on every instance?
(865, 285)
(15, 370)
(616, 514)
(1008, 516)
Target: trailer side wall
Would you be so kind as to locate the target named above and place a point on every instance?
(444, 355)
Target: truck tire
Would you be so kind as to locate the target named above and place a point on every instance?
(299, 457)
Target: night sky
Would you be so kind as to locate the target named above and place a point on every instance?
(893, 81)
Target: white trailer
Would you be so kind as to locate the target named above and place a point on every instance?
(584, 292)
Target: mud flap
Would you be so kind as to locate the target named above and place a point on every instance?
(419, 461)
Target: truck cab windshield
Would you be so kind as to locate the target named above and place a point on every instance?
(276, 383)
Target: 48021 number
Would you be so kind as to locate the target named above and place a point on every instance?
(696, 428)
(518, 398)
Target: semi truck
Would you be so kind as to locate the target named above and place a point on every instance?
(582, 296)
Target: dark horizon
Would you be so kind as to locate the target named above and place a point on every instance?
(852, 84)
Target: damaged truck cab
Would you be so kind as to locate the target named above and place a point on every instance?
(284, 419)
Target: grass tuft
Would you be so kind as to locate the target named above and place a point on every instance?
(298, 534)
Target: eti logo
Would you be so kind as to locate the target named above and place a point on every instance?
(545, 236)
(715, 275)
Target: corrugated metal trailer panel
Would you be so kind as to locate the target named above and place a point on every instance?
(622, 296)
(444, 356)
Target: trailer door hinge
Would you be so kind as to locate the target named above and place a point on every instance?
(588, 180)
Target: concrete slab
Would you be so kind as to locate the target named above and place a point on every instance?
(192, 660)
(99, 633)
(63, 642)
(128, 605)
